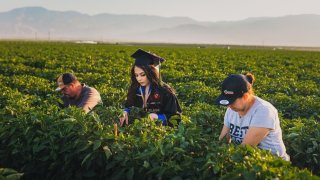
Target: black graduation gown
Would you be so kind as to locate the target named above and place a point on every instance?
(161, 101)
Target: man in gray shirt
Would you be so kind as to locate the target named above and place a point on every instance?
(77, 94)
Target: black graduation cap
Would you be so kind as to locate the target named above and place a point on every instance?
(146, 58)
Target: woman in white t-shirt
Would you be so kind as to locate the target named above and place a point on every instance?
(249, 119)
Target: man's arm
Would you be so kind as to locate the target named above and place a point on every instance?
(90, 101)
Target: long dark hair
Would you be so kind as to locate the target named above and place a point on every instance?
(152, 75)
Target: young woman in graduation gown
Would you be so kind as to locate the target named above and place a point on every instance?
(148, 92)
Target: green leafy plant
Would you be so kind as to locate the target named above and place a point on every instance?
(44, 142)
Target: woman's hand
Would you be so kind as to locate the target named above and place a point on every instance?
(225, 133)
(124, 118)
(153, 116)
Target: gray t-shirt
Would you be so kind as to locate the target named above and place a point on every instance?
(262, 114)
(88, 99)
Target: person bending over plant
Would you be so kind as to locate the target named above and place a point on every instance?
(76, 94)
(148, 92)
(249, 119)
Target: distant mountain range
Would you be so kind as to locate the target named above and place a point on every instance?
(40, 23)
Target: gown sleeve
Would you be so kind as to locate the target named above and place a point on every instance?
(169, 104)
(136, 101)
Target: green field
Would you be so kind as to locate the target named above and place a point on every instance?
(43, 142)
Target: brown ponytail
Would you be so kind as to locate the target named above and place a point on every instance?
(251, 79)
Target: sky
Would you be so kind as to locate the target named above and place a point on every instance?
(201, 10)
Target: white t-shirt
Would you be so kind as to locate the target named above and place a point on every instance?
(262, 114)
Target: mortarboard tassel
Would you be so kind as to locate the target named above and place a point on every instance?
(160, 78)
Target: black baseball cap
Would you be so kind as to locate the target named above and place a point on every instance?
(64, 80)
(233, 87)
(146, 58)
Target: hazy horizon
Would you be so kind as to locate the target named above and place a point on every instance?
(204, 10)
(38, 23)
